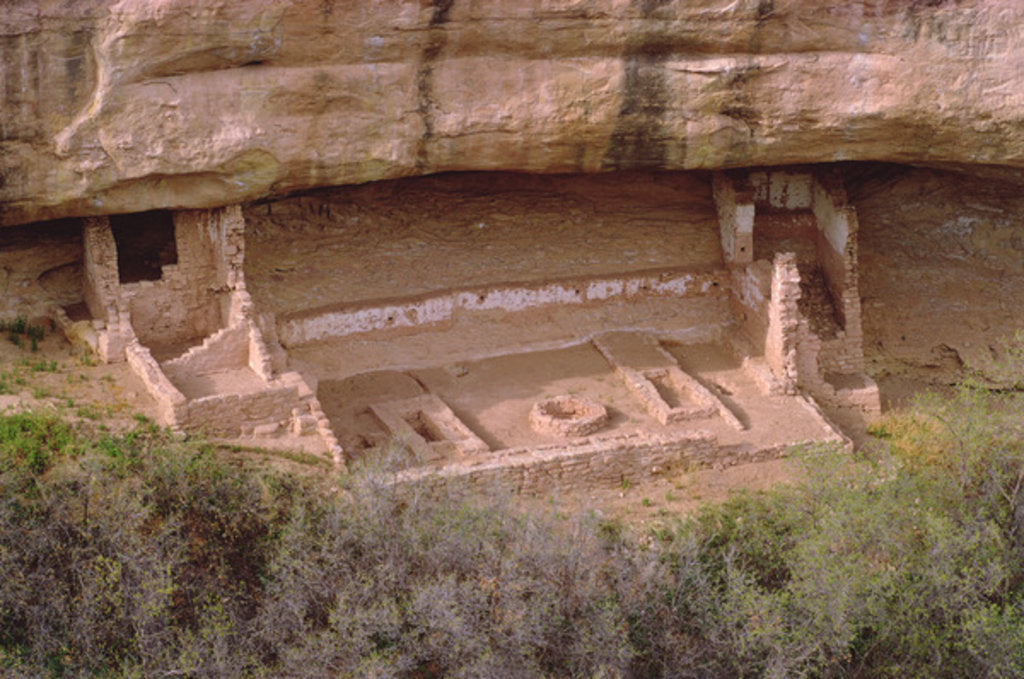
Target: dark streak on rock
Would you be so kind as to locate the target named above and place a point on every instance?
(75, 61)
(648, 7)
(426, 106)
(441, 10)
(765, 12)
(738, 103)
(639, 139)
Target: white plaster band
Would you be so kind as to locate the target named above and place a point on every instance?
(355, 319)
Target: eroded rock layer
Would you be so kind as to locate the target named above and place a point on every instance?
(941, 270)
(124, 106)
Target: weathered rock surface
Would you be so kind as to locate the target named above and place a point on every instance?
(114, 106)
(941, 271)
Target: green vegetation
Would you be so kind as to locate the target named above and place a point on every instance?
(140, 555)
(19, 328)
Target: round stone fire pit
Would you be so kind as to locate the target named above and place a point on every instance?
(568, 416)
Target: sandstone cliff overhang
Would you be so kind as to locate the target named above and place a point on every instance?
(124, 106)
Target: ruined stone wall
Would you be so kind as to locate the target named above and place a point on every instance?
(434, 310)
(601, 463)
(166, 315)
(782, 337)
(837, 254)
(225, 349)
(142, 363)
(191, 300)
(234, 415)
(101, 284)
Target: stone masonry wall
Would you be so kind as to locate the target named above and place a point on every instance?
(142, 363)
(233, 415)
(592, 463)
(100, 281)
(837, 252)
(781, 340)
(227, 348)
(735, 206)
(101, 285)
(597, 463)
(191, 299)
(434, 309)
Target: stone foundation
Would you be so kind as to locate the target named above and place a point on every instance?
(189, 333)
(783, 306)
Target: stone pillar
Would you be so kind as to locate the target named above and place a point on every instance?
(100, 277)
(780, 349)
(837, 253)
(735, 208)
(102, 287)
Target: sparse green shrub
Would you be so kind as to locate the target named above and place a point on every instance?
(18, 328)
(32, 440)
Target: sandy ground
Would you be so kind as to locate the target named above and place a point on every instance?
(59, 378)
(654, 504)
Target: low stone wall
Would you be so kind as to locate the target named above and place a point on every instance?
(751, 292)
(591, 463)
(226, 348)
(425, 310)
(233, 415)
(167, 396)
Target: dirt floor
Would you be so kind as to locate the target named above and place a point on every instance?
(228, 381)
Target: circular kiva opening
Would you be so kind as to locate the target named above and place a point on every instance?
(568, 416)
(569, 409)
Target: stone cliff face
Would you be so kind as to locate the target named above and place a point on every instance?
(119, 106)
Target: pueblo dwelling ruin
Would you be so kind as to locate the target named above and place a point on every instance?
(535, 331)
(533, 243)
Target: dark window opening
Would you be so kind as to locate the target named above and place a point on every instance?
(145, 244)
